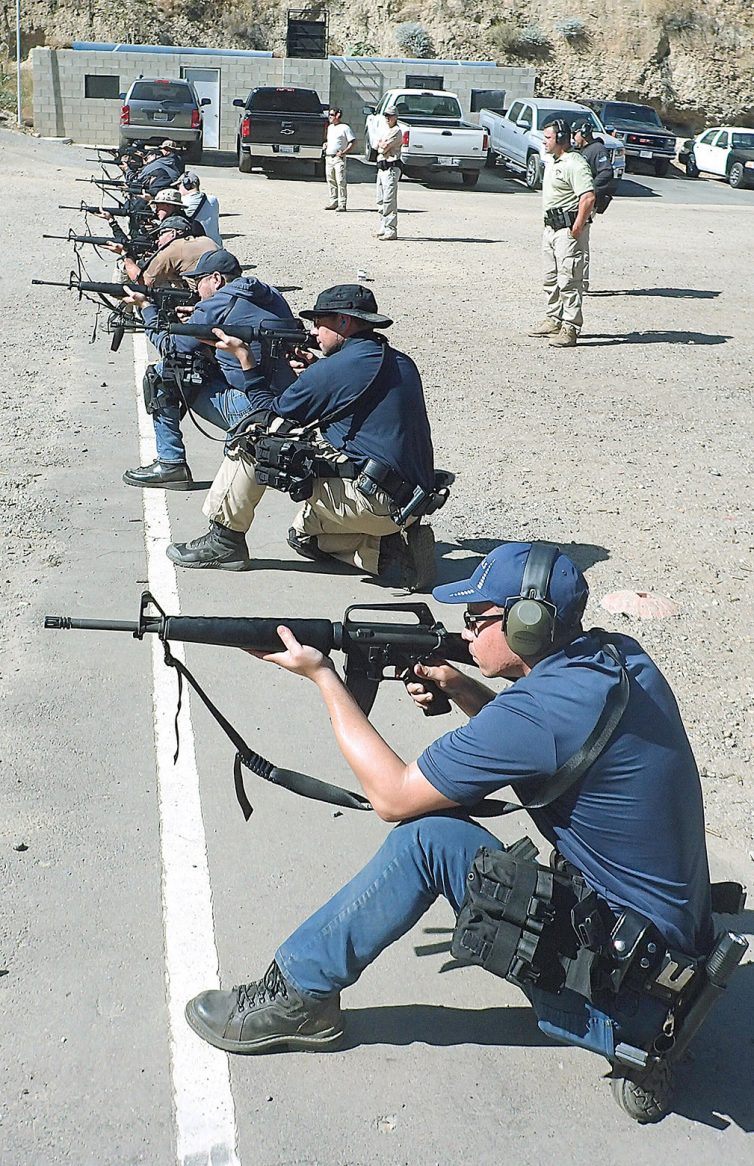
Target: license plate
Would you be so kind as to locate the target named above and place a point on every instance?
(445, 160)
(645, 153)
(159, 117)
(287, 150)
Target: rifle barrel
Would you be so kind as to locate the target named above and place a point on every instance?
(65, 623)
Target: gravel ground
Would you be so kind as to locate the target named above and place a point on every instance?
(626, 451)
(633, 451)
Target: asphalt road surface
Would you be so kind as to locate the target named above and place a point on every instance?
(131, 883)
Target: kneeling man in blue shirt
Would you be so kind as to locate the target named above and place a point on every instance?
(632, 825)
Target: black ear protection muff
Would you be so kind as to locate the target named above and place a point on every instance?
(530, 626)
(562, 131)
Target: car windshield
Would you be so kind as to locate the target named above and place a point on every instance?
(625, 112)
(162, 91)
(426, 105)
(285, 101)
(572, 117)
(743, 141)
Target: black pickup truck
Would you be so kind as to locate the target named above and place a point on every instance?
(640, 129)
(278, 126)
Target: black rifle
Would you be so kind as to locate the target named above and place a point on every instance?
(106, 182)
(161, 296)
(115, 211)
(277, 337)
(135, 246)
(370, 646)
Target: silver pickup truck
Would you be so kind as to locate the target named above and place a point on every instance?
(517, 140)
(435, 136)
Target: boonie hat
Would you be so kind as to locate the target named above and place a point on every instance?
(350, 299)
(169, 195)
(499, 576)
(390, 111)
(221, 261)
(169, 144)
(176, 223)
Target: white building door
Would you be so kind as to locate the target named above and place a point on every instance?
(207, 84)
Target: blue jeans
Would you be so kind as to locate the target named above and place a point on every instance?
(420, 860)
(219, 404)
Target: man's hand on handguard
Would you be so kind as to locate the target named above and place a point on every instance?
(301, 659)
(235, 347)
(138, 299)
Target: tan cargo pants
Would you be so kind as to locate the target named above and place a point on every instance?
(346, 524)
(563, 274)
(335, 172)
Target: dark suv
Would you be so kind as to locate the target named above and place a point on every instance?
(640, 129)
(154, 109)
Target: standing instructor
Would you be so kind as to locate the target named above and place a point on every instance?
(568, 202)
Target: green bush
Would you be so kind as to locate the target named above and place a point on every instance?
(572, 28)
(413, 40)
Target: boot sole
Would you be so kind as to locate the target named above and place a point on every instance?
(159, 485)
(237, 566)
(321, 1042)
(421, 558)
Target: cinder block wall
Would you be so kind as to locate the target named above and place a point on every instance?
(61, 108)
(359, 81)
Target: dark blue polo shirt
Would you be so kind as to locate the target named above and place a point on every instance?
(634, 824)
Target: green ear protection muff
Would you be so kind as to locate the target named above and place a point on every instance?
(530, 626)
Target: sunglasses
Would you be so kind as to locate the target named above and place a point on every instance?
(473, 623)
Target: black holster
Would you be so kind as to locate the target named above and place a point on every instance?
(559, 219)
(157, 393)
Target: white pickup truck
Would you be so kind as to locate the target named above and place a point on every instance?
(435, 136)
(516, 137)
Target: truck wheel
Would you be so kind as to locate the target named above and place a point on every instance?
(469, 177)
(490, 161)
(737, 175)
(662, 165)
(534, 172)
(370, 154)
(692, 170)
(244, 160)
(194, 153)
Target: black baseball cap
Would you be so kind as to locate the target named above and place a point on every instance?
(350, 299)
(221, 261)
(583, 127)
(176, 223)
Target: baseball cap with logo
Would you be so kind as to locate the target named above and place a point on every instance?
(348, 299)
(499, 576)
(177, 223)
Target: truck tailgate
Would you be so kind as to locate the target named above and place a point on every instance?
(285, 129)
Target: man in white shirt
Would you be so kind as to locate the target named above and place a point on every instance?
(200, 206)
(340, 141)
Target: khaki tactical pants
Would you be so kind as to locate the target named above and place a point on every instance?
(563, 263)
(387, 199)
(346, 524)
(335, 172)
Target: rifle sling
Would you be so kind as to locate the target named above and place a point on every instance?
(297, 783)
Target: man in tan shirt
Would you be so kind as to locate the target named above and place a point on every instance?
(388, 173)
(177, 251)
(568, 202)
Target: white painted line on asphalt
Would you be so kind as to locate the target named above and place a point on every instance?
(204, 1112)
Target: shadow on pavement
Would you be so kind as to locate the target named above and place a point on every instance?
(604, 339)
(433, 1024)
(445, 238)
(627, 188)
(679, 293)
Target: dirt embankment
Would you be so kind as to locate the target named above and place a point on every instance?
(693, 59)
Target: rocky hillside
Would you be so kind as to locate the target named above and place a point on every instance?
(693, 59)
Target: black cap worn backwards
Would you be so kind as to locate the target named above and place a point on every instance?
(220, 260)
(348, 299)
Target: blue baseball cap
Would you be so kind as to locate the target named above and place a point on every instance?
(499, 576)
